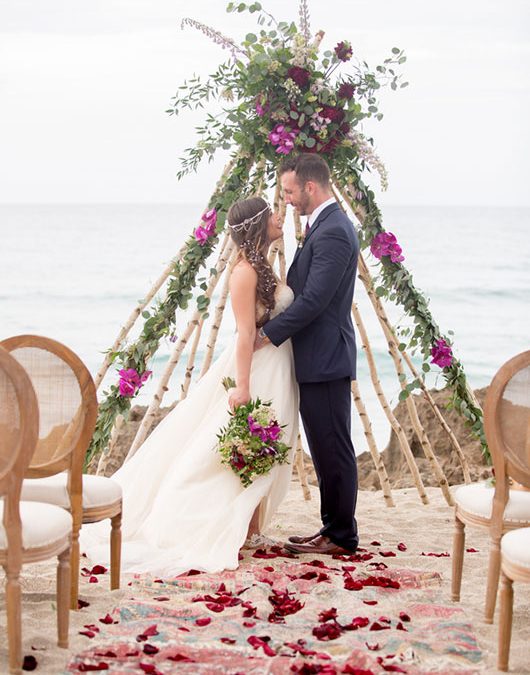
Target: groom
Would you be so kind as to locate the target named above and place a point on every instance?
(322, 276)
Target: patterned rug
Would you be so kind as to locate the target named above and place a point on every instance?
(280, 613)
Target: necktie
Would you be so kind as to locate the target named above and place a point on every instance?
(307, 228)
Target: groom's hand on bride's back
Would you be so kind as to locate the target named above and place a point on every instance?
(261, 340)
(238, 396)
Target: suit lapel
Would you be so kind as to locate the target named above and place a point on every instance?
(320, 219)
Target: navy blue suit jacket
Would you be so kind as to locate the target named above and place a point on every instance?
(322, 276)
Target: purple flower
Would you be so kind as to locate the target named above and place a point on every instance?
(254, 428)
(442, 354)
(300, 76)
(130, 381)
(385, 243)
(274, 431)
(210, 220)
(344, 51)
(346, 90)
(283, 139)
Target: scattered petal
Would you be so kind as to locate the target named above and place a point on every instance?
(30, 663)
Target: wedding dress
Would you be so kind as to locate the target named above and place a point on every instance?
(182, 508)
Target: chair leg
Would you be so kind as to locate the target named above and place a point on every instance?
(115, 551)
(14, 621)
(63, 597)
(459, 539)
(493, 579)
(74, 570)
(505, 622)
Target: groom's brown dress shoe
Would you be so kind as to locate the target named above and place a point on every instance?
(319, 545)
(295, 539)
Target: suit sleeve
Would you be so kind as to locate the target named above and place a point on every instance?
(331, 258)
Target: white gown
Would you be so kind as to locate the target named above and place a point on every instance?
(182, 508)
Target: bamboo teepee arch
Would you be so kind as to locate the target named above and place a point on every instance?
(260, 125)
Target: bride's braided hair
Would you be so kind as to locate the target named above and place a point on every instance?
(248, 220)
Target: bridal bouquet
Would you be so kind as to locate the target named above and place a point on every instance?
(251, 444)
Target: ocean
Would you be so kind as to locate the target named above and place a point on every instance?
(74, 272)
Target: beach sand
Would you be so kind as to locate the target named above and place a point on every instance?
(426, 529)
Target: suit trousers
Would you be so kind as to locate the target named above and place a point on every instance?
(325, 408)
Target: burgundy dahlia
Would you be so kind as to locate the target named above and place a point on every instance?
(346, 90)
(333, 114)
(344, 51)
(300, 76)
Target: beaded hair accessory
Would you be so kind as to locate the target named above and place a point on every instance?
(246, 224)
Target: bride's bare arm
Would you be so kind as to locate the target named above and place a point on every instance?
(243, 283)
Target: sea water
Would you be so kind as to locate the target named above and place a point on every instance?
(75, 272)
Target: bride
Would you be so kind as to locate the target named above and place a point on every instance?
(182, 508)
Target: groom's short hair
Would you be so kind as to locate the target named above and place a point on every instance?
(307, 166)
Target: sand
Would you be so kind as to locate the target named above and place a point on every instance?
(421, 528)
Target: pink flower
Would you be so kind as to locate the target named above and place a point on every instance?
(343, 51)
(261, 106)
(274, 431)
(442, 354)
(283, 139)
(202, 235)
(385, 243)
(210, 218)
(130, 381)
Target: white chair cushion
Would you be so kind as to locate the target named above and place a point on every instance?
(42, 524)
(515, 546)
(97, 490)
(477, 499)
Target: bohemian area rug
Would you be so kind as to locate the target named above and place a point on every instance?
(280, 613)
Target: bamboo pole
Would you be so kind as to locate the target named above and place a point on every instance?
(365, 277)
(440, 418)
(374, 452)
(300, 469)
(175, 357)
(218, 317)
(396, 426)
(191, 361)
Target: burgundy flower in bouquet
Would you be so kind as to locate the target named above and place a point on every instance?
(300, 76)
(130, 381)
(346, 90)
(344, 51)
(442, 354)
(333, 114)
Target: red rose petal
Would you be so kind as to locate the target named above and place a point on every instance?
(404, 616)
(203, 622)
(93, 580)
(150, 649)
(373, 647)
(179, 657)
(375, 543)
(30, 663)
(401, 546)
(108, 654)
(378, 626)
(351, 670)
(215, 606)
(472, 550)
(370, 602)
(228, 641)
(107, 619)
(328, 615)
(445, 554)
(162, 598)
(387, 554)
(327, 631)
(150, 668)
(249, 624)
(400, 626)
(82, 603)
(87, 633)
(98, 569)
(90, 667)
(257, 642)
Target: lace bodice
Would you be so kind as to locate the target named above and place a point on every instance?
(283, 298)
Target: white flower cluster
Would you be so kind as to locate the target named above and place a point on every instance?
(318, 86)
(301, 51)
(292, 89)
(369, 156)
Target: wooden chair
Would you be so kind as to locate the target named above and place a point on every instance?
(68, 410)
(29, 532)
(500, 508)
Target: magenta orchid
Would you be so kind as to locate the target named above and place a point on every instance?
(204, 232)
(442, 354)
(283, 139)
(131, 381)
(385, 244)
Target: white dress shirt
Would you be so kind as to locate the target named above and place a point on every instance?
(311, 219)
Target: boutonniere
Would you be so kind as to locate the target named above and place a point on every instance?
(300, 239)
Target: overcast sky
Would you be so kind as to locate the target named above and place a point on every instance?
(84, 86)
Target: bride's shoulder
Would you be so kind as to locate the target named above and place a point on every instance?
(243, 273)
